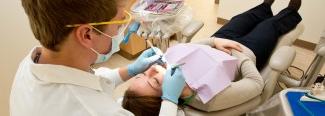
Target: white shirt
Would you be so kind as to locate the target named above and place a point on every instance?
(56, 90)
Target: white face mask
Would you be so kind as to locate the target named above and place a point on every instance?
(116, 41)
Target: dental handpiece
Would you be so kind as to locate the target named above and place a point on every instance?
(151, 46)
(160, 61)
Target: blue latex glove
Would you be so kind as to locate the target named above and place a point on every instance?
(144, 61)
(173, 85)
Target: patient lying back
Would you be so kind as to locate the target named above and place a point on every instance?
(143, 95)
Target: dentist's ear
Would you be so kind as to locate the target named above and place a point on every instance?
(83, 35)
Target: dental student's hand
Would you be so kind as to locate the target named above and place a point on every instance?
(144, 61)
(173, 85)
(226, 45)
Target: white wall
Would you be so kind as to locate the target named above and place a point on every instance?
(16, 41)
(312, 12)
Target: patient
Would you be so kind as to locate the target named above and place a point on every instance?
(257, 31)
(143, 95)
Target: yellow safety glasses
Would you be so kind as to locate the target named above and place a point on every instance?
(128, 18)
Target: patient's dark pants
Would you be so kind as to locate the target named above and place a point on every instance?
(259, 30)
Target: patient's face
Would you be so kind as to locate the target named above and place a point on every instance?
(149, 83)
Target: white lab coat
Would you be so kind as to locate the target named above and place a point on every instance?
(56, 90)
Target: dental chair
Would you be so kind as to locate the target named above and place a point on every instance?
(313, 69)
(280, 60)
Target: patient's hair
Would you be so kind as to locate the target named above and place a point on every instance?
(141, 105)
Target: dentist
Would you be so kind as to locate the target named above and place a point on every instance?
(56, 78)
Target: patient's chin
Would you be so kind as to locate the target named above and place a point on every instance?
(187, 91)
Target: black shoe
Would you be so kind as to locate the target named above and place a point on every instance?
(294, 4)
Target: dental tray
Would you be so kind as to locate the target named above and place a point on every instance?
(158, 7)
